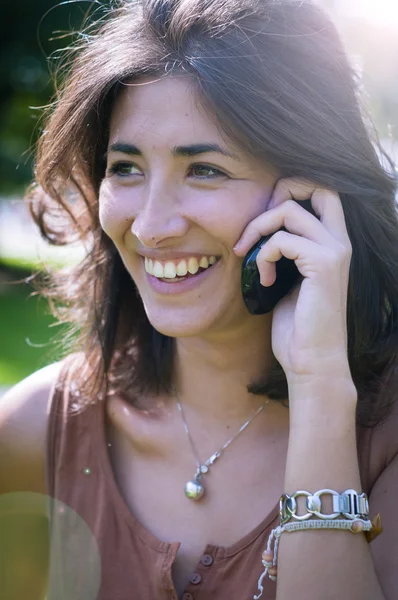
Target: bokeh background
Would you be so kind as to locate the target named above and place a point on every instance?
(32, 39)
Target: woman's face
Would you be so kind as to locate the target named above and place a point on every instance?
(177, 196)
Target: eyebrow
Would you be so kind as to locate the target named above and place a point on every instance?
(192, 150)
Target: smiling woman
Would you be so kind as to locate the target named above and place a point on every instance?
(186, 133)
(177, 203)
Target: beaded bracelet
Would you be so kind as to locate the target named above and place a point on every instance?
(269, 556)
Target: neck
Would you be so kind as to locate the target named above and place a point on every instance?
(212, 374)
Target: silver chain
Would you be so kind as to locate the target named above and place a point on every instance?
(203, 468)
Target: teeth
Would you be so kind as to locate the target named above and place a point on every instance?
(148, 265)
(193, 266)
(158, 269)
(204, 263)
(170, 270)
(182, 268)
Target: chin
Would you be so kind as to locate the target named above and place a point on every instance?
(178, 329)
(188, 322)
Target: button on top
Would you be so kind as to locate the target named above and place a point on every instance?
(206, 560)
(196, 578)
(187, 596)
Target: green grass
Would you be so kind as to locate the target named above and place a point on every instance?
(25, 332)
(28, 264)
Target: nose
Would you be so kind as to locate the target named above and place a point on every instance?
(160, 218)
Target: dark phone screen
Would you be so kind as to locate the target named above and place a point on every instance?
(258, 299)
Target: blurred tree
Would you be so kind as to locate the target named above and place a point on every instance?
(26, 31)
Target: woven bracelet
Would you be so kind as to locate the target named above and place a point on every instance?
(269, 557)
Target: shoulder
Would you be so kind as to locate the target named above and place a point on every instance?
(383, 500)
(23, 427)
(384, 443)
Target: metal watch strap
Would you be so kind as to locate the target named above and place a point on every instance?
(349, 504)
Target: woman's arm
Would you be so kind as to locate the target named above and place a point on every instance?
(310, 341)
(333, 564)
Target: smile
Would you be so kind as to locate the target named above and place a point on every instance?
(178, 268)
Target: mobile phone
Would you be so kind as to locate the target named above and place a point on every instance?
(259, 299)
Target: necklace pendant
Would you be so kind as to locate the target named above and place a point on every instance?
(194, 490)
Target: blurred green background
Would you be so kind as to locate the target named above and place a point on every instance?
(32, 38)
(26, 331)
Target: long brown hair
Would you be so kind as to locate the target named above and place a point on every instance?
(276, 78)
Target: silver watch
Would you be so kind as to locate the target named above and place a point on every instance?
(349, 504)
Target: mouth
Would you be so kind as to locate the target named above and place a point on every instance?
(179, 270)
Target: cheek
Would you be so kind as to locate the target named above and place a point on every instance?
(225, 225)
(113, 216)
(226, 218)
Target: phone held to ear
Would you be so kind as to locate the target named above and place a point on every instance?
(258, 298)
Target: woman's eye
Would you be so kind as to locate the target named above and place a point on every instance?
(123, 169)
(206, 172)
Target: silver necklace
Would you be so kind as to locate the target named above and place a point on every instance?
(194, 489)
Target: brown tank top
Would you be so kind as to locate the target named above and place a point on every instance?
(100, 551)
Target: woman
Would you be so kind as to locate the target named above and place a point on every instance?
(183, 133)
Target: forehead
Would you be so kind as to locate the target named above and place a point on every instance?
(161, 109)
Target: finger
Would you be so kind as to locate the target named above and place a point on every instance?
(325, 202)
(310, 258)
(291, 188)
(290, 215)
